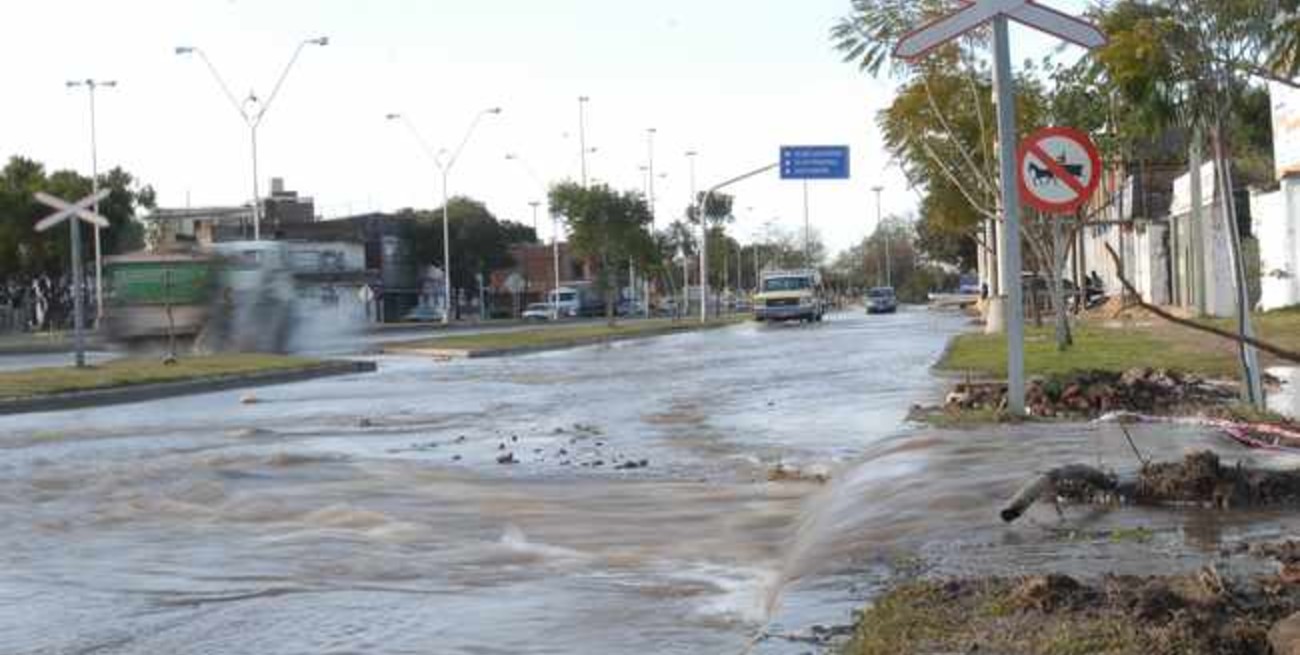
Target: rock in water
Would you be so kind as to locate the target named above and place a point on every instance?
(508, 458)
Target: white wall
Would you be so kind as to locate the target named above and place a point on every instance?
(1150, 263)
(1275, 217)
(1220, 291)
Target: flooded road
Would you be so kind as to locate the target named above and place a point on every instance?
(633, 513)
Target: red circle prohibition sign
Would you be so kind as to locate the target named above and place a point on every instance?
(1057, 171)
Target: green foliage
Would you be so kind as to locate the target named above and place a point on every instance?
(868, 34)
(717, 209)
(609, 227)
(480, 242)
(25, 252)
(913, 278)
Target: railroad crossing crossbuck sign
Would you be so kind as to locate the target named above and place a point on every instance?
(976, 13)
(80, 209)
(1058, 169)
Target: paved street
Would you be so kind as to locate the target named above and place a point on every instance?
(370, 513)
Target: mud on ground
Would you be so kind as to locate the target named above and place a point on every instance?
(1086, 395)
(1057, 615)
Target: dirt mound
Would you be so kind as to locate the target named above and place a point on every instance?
(1200, 479)
(1196, 614)
(1088, 394)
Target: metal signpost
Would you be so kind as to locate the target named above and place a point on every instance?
(79, 210)
(946, 28)
(813, 163)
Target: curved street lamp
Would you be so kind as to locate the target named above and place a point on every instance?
(253, 118)
(444, 164)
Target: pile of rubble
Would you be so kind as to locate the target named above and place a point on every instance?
(1089, 394)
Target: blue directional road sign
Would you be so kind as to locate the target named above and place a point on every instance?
(814, 162)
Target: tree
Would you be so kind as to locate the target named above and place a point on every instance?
(480, 243)
(24, 252)
(608, 227)
(1206, 53)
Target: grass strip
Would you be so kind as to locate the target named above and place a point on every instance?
(129, 371)
(558, 337)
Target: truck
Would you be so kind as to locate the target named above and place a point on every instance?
(574, 299)
(790, 295)
(237, 296)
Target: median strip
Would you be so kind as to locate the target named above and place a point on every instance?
(496, 344)
(130, 379)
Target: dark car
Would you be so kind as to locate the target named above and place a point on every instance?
(881, 300)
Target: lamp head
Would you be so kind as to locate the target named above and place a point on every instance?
(184, 49)
(323, 40)
(392, 117)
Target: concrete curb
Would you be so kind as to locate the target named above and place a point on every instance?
(481, 353)
(153, 391)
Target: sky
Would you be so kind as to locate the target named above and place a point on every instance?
(728, 79)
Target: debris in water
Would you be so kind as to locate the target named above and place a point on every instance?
(248, 399)
(1199, 480)
(783, 473)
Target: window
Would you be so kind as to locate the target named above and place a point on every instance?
(786, 284)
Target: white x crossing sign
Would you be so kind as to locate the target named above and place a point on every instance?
(1026, 12)
(80, 209)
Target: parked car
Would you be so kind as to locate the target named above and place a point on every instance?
(423, 314)
(538, 311)
(881, 300)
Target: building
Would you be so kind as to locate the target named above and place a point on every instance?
(395, 279)
(533, 271)
(1276, 210)
(208, 225)
(284, 208)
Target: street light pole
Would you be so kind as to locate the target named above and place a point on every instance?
(700, 208)
(582, 135)
(444, 167)
(253, 118)
(91, 85)
(534, 204)
(555, 258)
(889, 279)
(650, 196)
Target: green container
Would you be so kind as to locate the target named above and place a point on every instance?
(179, 282)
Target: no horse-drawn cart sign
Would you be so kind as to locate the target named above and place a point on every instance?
(1059, 169)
